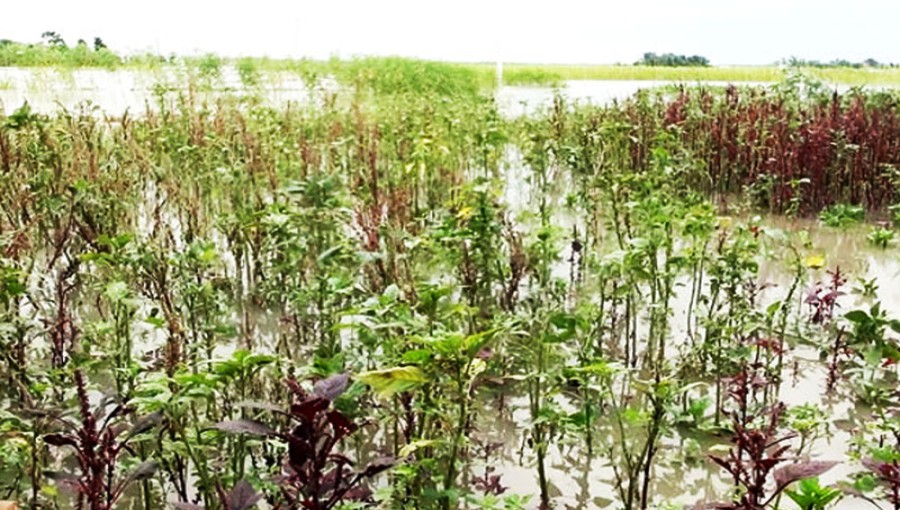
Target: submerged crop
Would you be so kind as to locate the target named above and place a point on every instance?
(394, 297)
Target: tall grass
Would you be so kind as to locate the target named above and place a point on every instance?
(395, 75)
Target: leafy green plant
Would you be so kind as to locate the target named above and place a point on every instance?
(248, 72)
(866, 288)
(209, 66)
(880, 237)
(810, 495)
(842, 215)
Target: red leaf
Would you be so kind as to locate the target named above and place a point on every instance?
(308, 409)
(341, 425)
(61, 440)
(794, 472)
(379, 465)
(242, 496)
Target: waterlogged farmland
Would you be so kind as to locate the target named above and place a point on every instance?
(394, 288)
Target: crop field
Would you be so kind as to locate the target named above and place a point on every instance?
(531, 74)
(389, 293)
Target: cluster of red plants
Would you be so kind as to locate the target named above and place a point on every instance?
(816, 150)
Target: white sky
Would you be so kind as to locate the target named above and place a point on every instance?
(550, 31)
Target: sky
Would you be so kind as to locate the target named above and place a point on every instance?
(728, 32)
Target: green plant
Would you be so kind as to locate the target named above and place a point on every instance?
(248, 72)
(880, 237)
(809, 422)
(872, 351)
(809, 495)
(894, 210)
(209, 66)
(842, 215)
(867, 288)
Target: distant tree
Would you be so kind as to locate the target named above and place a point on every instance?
(673, 60)
(838, 62)
(81, 42)
(53, 39)
(99, 44)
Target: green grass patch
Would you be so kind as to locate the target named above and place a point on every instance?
(842, 215)
(551, 74)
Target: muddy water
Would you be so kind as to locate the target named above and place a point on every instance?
(516, 101)
(115, 92)
(684, 475)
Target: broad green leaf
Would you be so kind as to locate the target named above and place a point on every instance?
(391, 381)
(856, 316)
(414, 446)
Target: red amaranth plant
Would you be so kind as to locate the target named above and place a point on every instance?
(100, 440)
(758, 450)
(315, 476)
(241, 497)
(822, 297)
(839, 147)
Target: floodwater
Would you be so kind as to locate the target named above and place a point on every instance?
(115, 92)
(683, 475)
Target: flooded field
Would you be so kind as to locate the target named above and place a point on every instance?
(312, 294)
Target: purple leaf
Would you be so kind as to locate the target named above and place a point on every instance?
(144, 471)
(188, 506)
(144, 424)
(379, 465)
(794, 472)
(242, 496)
(245, 427)
(59, 476)
(332, 388)
(341, 425)
(358, 493)
(263, 406)
(308, 409)
(714, 506)
(61, 440)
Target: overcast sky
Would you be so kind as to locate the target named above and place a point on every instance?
(553, 31)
